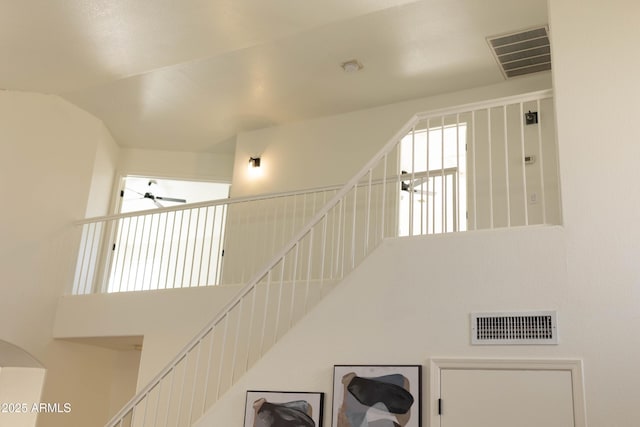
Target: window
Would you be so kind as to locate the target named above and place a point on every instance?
(434, 190)
(167, 249)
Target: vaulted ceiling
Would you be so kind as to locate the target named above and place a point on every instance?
(191, 74)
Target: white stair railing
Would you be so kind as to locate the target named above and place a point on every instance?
(353, 222)
(185, 246)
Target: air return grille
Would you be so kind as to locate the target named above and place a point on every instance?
(514, 328)
(522, 53)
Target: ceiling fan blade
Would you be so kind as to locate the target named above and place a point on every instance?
(155, 202)
(134, 191)
(171, 199)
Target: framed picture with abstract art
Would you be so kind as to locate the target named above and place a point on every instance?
(377, 396)
(283, 409)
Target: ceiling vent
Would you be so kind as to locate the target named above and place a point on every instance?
(522, 53)
(514, 328)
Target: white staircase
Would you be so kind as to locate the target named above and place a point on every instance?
(444, 171)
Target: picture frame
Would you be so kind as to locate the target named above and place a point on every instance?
(364, 394)
(278, 408)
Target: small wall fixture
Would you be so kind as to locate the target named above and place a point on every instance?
(254, 162)
(352, 66)
(531, 118)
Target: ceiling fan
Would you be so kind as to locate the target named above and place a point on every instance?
(412, 186)
(156, 199)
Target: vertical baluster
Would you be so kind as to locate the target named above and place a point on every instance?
(222, 352)
(82, 253)
(218, 224)
(456, 178)
(108, 256)
(442, 178)
(303, 219)
(323, 254)
(294, 216)
(384, 197)
(368, 215)
(204, 239)
(506, 164)
(195, 382)
(285, 214)
(344, 256)
(211, 238)
(175, 271)
(275, 332)
(249, 247)
(121, 254)
(162, 262)
(93, 259)
(155, 268)
(146, 254)
(293, 282)
(146, 407)
(333, 270)
(429, 204)
(264, 231)
(423, 197)
(251, 320)
(184, 359)
(205, 392)
(491, 221)
(135, 267)
(195, 246)
(234, 354)
(398, 188)
(340, 239)
(309, 261)
(157, 406)
(353, 226)
(541, 163)
(274, 227)
(473, 161)
(183, 280)
(522, 164)
(133, 246)
(222, 238)
(412, 179)
(264, 318)
(169, 396)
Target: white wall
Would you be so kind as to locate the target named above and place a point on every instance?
(18, 388)
(176, 164)
(411, 300)
(588, 270)
(166, 319)
(330, 150)
(104, 176)
(49, 147)
(596, 60)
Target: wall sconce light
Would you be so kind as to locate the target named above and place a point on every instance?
(531, 118)
(254, 162)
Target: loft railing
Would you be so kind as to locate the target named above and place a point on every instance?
(462, 168)
(187, 246)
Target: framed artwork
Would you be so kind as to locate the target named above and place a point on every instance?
(377, 395)
(283, 409)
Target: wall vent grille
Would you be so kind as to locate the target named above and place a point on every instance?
(522, 53)
(514, 328)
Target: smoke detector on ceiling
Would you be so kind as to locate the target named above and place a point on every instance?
(352, 66)
(521, 53)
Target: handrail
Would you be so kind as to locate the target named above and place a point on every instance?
(336, 206)
(208, 203)
(258, 276)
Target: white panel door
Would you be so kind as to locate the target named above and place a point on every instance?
(506, 398)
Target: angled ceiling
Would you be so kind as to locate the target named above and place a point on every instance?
(190, 74)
